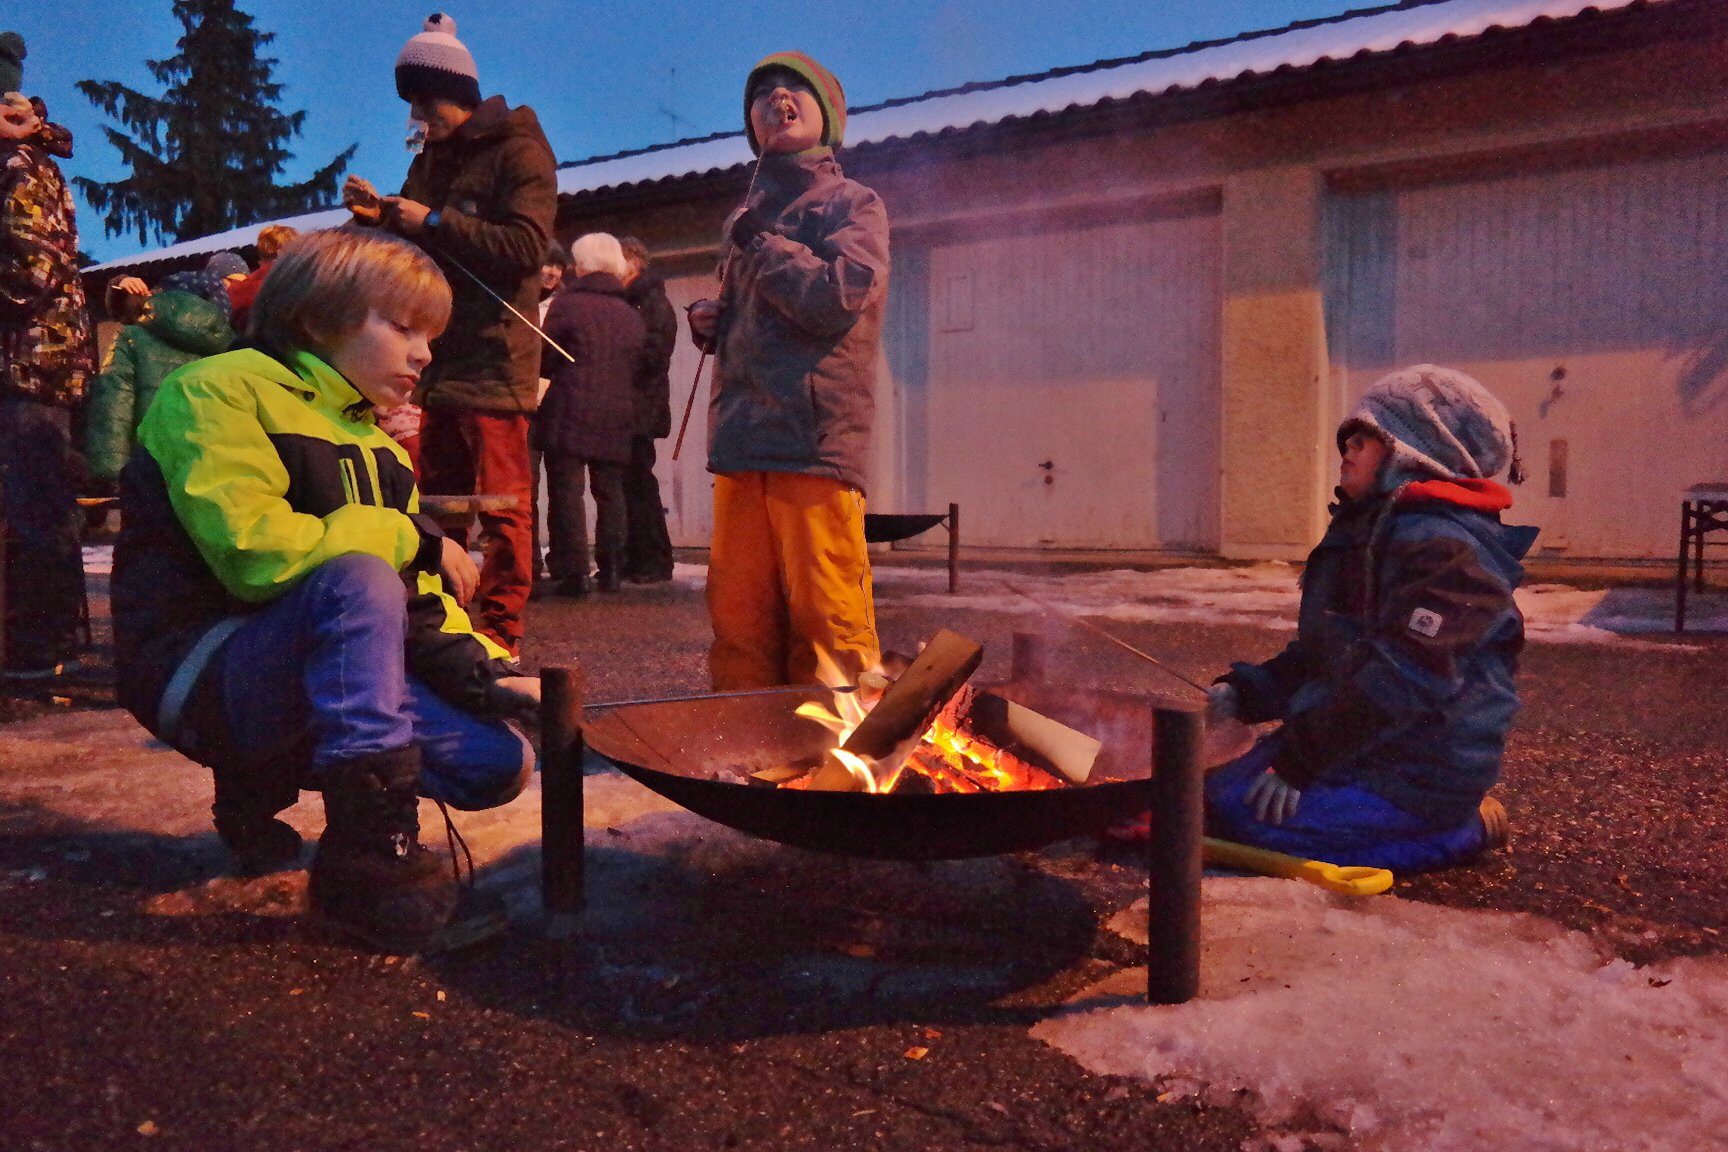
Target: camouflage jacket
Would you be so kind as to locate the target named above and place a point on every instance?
(46, 349)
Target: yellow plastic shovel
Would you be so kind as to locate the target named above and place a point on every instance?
(1350, 881)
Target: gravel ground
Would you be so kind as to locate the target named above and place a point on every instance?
(121, 1028)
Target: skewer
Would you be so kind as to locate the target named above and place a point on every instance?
(1074, 618)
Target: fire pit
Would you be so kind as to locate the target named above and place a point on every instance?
(707, 756)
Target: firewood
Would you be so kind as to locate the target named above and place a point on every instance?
(912, 701)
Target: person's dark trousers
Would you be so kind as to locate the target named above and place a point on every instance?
(465, 452)
(567, 521)
(319, 674)
(647, 546)
(44, 563)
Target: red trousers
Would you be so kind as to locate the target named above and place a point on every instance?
(465, 453)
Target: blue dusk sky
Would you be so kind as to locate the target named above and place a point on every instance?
(604, 77)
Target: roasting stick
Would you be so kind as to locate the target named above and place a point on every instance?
(1075, 618)
(702, 361)
(868, 682)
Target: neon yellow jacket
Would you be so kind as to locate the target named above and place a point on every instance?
(252, 472)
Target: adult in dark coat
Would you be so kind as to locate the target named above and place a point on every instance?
(648, 546)
(479, 199)
(588, 417)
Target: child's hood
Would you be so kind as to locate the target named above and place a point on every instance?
(188, 322)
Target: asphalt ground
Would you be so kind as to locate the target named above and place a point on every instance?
(765, 997)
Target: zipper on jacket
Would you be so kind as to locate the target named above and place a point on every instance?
(350, 483)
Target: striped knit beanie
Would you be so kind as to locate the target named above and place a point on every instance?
(829, 95)
(1438, 423)
(436, 65)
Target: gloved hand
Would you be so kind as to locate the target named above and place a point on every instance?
(747, 227)
(1221, 702)
(515, 694)
(1273, 800)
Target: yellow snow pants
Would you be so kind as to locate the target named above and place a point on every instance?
(788, 581)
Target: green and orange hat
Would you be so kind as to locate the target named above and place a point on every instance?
(829, 95)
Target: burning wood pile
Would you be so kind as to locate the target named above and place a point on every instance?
(932, 733)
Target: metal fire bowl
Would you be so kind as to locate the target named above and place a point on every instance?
(699, 754)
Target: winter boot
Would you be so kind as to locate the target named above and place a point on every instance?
(372, 879)
(245, 811)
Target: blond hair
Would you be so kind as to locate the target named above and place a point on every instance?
(324, 284)
(272, 238)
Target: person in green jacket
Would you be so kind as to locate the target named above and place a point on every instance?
(284, 614)
(177, 328)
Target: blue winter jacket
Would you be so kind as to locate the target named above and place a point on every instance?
(1401, 679)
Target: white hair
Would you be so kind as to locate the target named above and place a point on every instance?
(598, 252)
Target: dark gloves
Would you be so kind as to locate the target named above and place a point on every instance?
(748, 226)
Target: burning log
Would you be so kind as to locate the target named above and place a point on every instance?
(912, 701)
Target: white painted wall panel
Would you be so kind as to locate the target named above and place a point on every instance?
(686, 488)
(1092, 350)
(1594, 302)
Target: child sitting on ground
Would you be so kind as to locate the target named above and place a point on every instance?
(804, 279)
(1398, 690)
(283, 615)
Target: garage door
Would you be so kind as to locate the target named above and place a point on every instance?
(1594, 302)
(1071, 388)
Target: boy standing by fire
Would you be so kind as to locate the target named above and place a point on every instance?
(803, 282)
(1399, 688)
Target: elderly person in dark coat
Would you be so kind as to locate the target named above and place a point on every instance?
(588, 417)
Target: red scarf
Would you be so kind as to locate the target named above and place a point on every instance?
(1478, 495)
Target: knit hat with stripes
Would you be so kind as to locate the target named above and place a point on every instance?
(829, 95)
(436, 65)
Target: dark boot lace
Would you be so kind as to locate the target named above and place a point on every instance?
(453, 839)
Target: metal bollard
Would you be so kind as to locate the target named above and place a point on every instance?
(1173, 862)
(562, 837)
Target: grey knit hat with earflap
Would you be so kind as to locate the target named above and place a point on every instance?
(1439, 424)
(436, 65)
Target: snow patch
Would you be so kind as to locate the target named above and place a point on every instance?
(1412, 1026)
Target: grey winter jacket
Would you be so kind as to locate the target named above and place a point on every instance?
(799, 336)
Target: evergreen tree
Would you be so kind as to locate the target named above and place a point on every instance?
(206, 153)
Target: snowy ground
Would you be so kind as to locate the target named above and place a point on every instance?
(1259, 594)
(1403, 1024)
(1528, 1036)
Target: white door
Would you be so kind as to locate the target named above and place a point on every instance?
(1071, 387)
(686, 488)
(1594, 302)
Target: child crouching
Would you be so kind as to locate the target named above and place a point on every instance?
(1399, 688)
(284, 615)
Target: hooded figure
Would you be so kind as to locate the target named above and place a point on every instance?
(177, 328)
(1397, 693)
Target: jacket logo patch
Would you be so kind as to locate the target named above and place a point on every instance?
(1426, 623)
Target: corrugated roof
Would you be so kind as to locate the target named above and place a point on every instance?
(1303, 45)
(1371, 31)
(225, 241)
